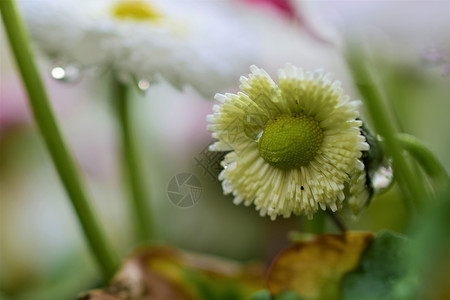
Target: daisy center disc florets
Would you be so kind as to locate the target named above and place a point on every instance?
(290, 141)
(135, 10)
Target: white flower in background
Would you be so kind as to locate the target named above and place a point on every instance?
(295, 146)
(185, 42)
(58, 28)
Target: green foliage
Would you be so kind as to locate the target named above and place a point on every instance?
(207, 287)
(374, 96)
(430, 258)
(265, 295)
(4, 297)
(288, 295)
(381, 271)
(261, 295)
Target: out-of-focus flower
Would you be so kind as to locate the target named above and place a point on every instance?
(284, 6)
(303, 15)
(295, 146)
(438, 55)
(198, 45)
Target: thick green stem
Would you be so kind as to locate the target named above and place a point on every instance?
(317, 224)
(373, 97)
(140, 196)
(58, 150)
(425, 157)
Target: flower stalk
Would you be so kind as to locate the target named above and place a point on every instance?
(140, 196)
(59, 153)
(337, 221)
(429, 163)
(374, 99)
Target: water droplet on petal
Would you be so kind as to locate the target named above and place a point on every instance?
(228, 165)
(66, 72)
(253, 126)
(382, 178)
(259, 135)
(143, 84)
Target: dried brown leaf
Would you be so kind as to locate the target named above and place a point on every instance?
(163, 272)
(314, 268)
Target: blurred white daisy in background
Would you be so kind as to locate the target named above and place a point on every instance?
(186, 43)
(295, 146)
(57, 27)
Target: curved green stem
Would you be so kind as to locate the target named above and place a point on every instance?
(424, 156)
(53, 139)
(374, 99)
(140, 196)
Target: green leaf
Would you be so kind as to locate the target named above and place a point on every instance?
(265, 295)
(288, 295)
(4, 297)
(208, 286)
(382, 270)
(430, 258)
(261, 295)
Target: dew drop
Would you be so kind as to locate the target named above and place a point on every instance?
(227, 165)
(65, 72)
(253, 126)
(259, 135)
(382, 178)
(58, 73)
(143, 84)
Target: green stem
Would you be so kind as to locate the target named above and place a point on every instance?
(53, 139)
(140, 197)
(374, 100)
(424, 156)
(337, 221)
(317, 224)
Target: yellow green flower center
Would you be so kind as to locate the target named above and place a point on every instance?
(290, 141)
(135, 10)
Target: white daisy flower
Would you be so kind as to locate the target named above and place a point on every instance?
(183, 42)
(296, 146)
